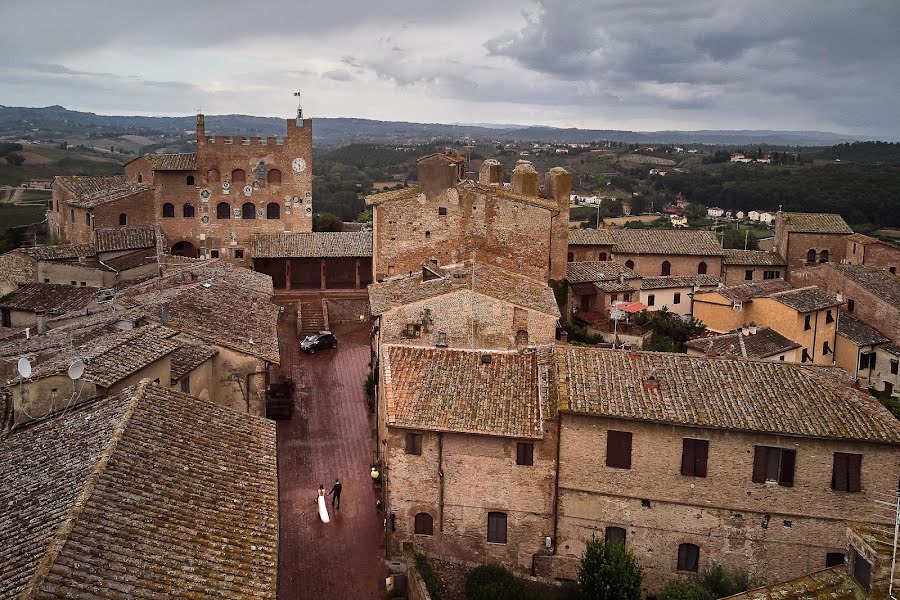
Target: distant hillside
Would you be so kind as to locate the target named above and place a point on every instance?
(59, 122)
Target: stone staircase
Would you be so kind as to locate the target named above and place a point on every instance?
(312, 317)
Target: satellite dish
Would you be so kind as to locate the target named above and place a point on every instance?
(76, 369)
(24, 367)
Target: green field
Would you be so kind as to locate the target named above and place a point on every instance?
(17, 215)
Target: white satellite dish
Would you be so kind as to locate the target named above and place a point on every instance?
(24, 367)
(76, 369)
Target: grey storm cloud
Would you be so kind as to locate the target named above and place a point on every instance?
(769, 64)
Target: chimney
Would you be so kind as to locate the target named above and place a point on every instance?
(41, 322)
(558, 186)
(524, 179)
(201, 128)
(563, 337)
(491, 172)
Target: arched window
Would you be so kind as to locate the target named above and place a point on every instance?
(629, 264)
(212, 176)
(248, 210)
(187, 210)
(238, 177)
(190, 180)
(666, 268)
(823, 256)
(223, 210)
(168, 209)
(810, 256)
(274, 176)
(701, 268)
(522, 337)
(123, 219)
(601, 256)
(688, 557)
(87, 218)
(273, 210)
(424, 524)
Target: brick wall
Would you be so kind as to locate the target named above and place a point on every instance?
(798, 244)
(874, 310)
(467, 319)
(736, 274)
(650, 265)
(723, 513)
(586, 253)
(883, 256)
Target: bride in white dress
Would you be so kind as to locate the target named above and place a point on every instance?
(323, 509)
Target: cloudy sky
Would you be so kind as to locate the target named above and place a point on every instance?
(636, 64)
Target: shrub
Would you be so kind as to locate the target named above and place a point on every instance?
(685, 589)
(721, 583)
(609, 572)
(492, 582)
(431, 579)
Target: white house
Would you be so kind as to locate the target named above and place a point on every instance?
(767, 218)
(753, 215)
(714, 212)
(739, 215)
(678, 220)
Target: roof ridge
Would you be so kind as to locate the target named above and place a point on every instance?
(59, 539)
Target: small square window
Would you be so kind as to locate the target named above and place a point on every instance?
(748, 275)
(186, 385)
(677, 298)
(442, 211)
(414, 443)
(239, 254)
(651, 300)
(214, 254)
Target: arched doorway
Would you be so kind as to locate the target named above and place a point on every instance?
(185, 249)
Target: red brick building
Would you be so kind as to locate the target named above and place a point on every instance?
(871, 252)
(804, 239)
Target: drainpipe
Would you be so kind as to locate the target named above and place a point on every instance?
(837, 315)
(556, 483)
(441, 482)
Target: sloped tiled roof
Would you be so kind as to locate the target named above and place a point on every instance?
(111, 239)
(452, 390)
(764, 343)
(81, 185)
(806, 299)
(173, 162)
(860, 238)
(765, 396)
(127, 497)
(814, 223)
(138, 258)
(401, 194)
(489, 280)
(678, 281)
(834, 583)
(693, 242)
(111, 358)
(590, 237)
(59, 252)
(858, 332)
(590, 271)
(51, 298)
(761, 258)
(880, 282)
(190, 356)
(747, 291)
(317, 244)
(108, 195)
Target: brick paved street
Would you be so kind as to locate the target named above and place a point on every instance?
(328, 437)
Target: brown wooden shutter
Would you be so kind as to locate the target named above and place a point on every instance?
(839, 472)
(854, 475)
(701, 454)
(788, 460)
(618, 449)
(760, 455)
(687, 456)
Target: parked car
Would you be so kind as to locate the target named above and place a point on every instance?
(318, 341)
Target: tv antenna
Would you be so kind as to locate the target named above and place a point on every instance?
(76, 369)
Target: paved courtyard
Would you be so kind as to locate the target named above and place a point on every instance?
(328, 437)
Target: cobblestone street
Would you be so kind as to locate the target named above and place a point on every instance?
(328, 437)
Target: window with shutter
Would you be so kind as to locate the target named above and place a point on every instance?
(496, 533)
(414, 443)
(774, 464)
(862, 570)
(688, 557)
(614, 535)
(845, 472)
(525, 453)
(694, 454)
(424, 524)
(618, 449)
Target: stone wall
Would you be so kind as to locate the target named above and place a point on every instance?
(650, 265)
(137, 208)
(16, 269)
(773, 532)
(347, 310)
(464, 319)
(736, 274)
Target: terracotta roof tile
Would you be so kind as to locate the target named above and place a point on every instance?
(747, 291)
(489, 280)
(190, 356)
(834, 583)
(860, 238)
(760, 258)
(130, 484)
(401, 194)
(738, 394)
(83, 185)
(172, 162)
(591, 271)
(51, 298)
(319, 244)
(453, 390)
(858, 332)
(131, 260)
(590, 237)
(881, 283)
(814, 223)
(110, 239)
(806, 299)
(764, 343)
(678, 281)
(60, 252)
(109, 194)
(666, 241)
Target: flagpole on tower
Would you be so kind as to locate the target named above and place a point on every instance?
(299, 105)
